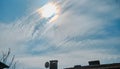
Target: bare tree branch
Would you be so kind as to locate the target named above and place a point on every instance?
(12, 61)
(5, 57)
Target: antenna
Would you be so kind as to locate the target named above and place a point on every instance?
(47, 65)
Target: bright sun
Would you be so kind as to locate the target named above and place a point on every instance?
(49, 10)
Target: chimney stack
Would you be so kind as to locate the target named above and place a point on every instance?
(93, 63)
(53, 64)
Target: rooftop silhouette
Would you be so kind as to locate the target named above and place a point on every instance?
(96, 65)
(52, 64)
(2, 65)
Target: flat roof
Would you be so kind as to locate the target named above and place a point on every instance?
(113, 65)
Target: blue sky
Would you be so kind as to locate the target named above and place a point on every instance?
(85, 30)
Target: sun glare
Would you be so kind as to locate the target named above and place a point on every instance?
(49, 10)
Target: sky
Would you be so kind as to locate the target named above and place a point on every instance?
(85, 30)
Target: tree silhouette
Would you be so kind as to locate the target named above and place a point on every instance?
(5, 58)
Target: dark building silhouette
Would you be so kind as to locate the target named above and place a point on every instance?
(97, 65)
(97, 62)
(53, 64)
(2, 65)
